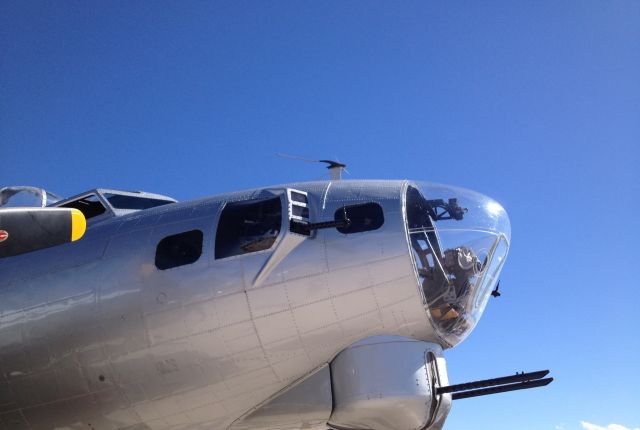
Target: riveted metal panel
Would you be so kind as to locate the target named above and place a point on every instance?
(197, 346)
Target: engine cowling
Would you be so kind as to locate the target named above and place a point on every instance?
(380, 383)
(389, 383)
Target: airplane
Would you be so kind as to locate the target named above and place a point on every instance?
(310, 305)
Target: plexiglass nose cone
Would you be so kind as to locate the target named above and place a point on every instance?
(459, 241)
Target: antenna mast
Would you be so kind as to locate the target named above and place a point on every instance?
(335, 167)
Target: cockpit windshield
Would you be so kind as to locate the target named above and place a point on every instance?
(459, 241)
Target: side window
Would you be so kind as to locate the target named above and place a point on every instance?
(248, 226)
(90, 206)
(179, 249)
(363, 217)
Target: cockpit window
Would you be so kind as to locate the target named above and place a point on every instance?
(459, 242)
(248, 226)
(90, 206)
(121, 201)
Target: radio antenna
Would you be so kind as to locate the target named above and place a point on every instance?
(335, 167)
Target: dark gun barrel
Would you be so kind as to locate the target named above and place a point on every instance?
(501, 389)
(519, 381)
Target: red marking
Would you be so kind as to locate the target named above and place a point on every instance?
(4, 235)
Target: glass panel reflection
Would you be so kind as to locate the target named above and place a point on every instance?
(459, 242)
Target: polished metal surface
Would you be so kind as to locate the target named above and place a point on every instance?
(306, 404)
(387, 383)
(93, 335)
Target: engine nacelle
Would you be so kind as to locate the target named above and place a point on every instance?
(388, 383)
(379, 383)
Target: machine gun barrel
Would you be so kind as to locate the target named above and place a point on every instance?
(501, 389)
(519, 381)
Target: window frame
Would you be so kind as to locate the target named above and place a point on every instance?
(108, 211)
(189, 261)
(282, 226)
(338, 215)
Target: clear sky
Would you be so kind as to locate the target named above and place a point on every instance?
(534, 103)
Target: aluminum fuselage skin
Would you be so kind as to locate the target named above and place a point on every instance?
(93, 335)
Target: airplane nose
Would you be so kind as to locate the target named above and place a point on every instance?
(459, 241)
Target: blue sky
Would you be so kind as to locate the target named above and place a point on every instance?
(536, 104)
